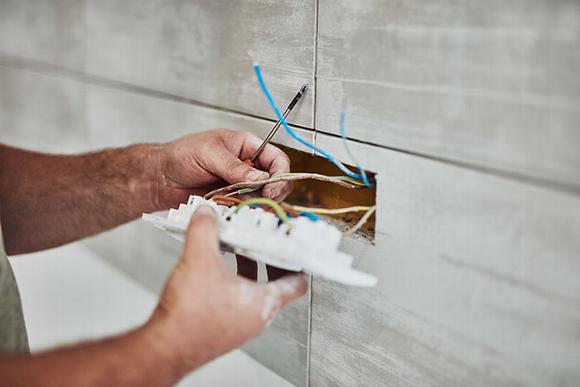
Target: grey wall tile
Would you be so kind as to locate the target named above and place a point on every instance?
(49, 31)
(116, 118)
(41, 112)
(478, 283)
(489, 84)
(197, 49)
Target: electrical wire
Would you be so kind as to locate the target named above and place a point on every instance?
(361, 222)
(280, 212)
(226, 200)
(331, 211)
(350, 154)
(290, 131)
(249, 186)
(310, 215)
(288, 208)
(283, 210)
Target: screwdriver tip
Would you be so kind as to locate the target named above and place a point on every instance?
(304, 88)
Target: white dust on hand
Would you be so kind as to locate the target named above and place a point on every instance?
(247, 293)
(277, 290)
(273, 296)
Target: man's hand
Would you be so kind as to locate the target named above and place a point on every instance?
(200, 162)
(49, 200)
(205, 310)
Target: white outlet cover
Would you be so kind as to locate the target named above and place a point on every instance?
(303, 245)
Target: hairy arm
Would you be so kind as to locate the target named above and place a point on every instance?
(49, 200)
(184, 331)
(133, 359)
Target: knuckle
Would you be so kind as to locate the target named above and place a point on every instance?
(288, 187)
(220, 131)
(227, 131)
(233, 165)
(219, 135)
(283, 155)
(280, 153)
(244, 134)
(229, 134)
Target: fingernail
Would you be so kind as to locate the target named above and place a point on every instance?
(205, 210)
(257, 175)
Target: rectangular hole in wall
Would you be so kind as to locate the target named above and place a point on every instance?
(313, 193)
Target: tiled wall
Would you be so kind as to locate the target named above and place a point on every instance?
(468, 111)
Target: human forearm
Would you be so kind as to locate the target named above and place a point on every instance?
(138, 358)
(49, 200)
(184, 331)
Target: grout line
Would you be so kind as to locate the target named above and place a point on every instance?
(61, 72)
(314, 120)
(315, 64)
(540, 182)
(309, 332)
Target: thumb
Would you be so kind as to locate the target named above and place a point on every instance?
(201, 237)
(233, 170)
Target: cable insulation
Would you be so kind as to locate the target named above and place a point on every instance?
(280, 212)
(291, 132)
(350, 154)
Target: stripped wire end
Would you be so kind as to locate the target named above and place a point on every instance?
(252, 56)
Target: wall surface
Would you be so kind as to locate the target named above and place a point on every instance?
(468, 111)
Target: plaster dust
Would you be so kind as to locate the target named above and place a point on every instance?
(277, 290)
(246, 292)
(274, 294)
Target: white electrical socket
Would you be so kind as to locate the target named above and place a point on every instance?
(303, 245)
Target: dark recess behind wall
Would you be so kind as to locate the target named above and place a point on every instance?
(313, 193)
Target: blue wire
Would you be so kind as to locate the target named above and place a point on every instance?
(310, 215)
(291, 132)
(345, 142)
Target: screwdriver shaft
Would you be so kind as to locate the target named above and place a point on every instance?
(279, 123)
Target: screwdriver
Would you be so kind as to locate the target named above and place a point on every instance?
(272, 133)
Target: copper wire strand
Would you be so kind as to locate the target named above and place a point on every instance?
(226, 200)
(285, 177)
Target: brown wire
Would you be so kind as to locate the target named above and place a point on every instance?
(288, 208)
(226, 200)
